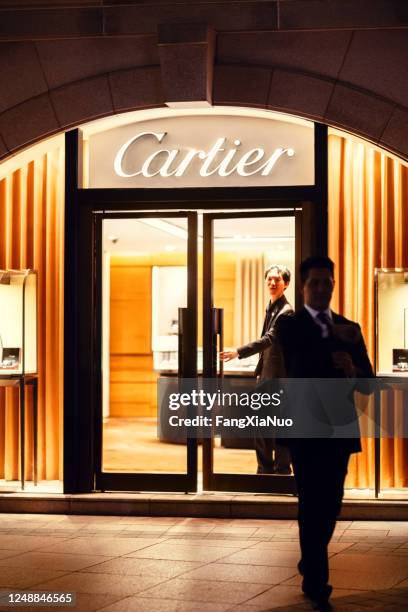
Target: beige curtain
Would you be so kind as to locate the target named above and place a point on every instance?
(250, 298)
(368, 228)
(31, 236)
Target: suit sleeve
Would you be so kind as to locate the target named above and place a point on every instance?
(257, 345)
(265, 341)
(268, 339)
(364, 369)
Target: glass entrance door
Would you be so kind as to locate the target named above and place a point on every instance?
(148, 302)
(237, 249)
(148, 329)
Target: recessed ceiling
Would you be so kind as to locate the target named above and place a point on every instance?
(170, 234)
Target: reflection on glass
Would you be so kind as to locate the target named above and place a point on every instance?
(243, 249)
(144, 284)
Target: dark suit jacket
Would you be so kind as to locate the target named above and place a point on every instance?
(270, 364)
(309, 356)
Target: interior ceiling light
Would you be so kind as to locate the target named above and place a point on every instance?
(254, 238)
(165, 226)
(169, 228)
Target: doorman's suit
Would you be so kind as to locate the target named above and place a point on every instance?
(270, 366)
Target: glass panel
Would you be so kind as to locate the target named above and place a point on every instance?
(18, 322)
(392, 324)
(392, 361)
(144, 285)
(243, 249)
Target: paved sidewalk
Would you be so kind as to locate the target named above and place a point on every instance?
(119, 564)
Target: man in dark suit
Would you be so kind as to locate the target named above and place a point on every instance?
(318, 343)
(270, 365)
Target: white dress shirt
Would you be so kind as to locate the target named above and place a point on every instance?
(323, 326)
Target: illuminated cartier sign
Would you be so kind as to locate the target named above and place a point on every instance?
(172, 162)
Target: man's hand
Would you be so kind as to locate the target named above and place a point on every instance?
(228, 355)
(343, 361)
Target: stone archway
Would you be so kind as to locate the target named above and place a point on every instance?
(344, 65)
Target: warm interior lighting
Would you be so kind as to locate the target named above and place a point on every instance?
(167, 227)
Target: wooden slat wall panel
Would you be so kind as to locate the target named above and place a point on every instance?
(130, 310)
(132, 379)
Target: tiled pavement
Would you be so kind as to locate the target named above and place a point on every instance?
(119, 564)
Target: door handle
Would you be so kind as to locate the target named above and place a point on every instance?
(218, 333)
(186, 341)
(181, 341)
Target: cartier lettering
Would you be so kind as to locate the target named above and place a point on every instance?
(220, 159)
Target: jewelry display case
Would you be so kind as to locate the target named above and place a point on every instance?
(18, 322)
(391, 299)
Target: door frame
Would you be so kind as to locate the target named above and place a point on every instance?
(217, 481)
(80, 304)
(145, 481)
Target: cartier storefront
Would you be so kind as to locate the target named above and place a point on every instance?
(153, 261)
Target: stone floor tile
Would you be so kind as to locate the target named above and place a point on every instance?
(109, 547)
(276, 545)
(393, 539)
(343, 524)
(6, 554)
(5, 525)
(357, 549)
(238, 522)
(207, 591)
(262, 574)
(277, 523)
(372, 525)
(199, 529)
(359, 580)
(86, 602)
(359, 534)
(151, 528)
(56, 561)
(144, 604)
(152, 520)
(336, 547)
(378, 549)
(277, 597)
(186, 552)
(239, 531)
(61, 526)
(83, 582)
(367, 563)
(210, 541)
(117, 558)
(127, 566)
(25, 577)
(105, 527)
(398, 531)
(37, 518)
(286, 531)
(29, 542)
(276, 558)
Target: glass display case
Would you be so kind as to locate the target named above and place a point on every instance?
(391, 292)
(18, 322)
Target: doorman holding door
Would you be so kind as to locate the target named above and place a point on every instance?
(270, 364)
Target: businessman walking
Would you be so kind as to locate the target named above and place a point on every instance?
(318, 343)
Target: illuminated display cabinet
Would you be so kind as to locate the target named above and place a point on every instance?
(18, 322)
(391, 291)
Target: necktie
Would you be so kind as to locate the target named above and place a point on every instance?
(325, 319)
